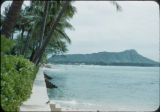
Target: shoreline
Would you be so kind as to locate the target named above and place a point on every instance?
(81, 64)
(39, 100)
(53, 104)
(110, 107)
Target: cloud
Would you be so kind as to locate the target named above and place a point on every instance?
(99, 27)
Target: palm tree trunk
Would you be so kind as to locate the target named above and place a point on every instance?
(31, 57)
(22, 37)
(46, 9)
(11, 18)
(25, 47)
(39, 54)
(44, 21)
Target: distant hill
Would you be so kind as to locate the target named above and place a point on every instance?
(124, 58)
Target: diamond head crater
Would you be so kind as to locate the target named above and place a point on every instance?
(124, 58)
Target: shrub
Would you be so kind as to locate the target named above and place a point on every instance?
(6, 44)
(17, 76)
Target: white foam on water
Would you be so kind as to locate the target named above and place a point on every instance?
(53, 69)
(72, 102)
(127, 89)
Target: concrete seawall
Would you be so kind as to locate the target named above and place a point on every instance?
(39, 100)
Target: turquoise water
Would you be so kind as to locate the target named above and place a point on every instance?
(93, 87)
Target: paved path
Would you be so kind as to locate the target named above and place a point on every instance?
(39, 97)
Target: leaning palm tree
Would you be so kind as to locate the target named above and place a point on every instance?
(67, 11)
(52, 24)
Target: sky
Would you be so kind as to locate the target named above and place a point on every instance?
(100, 27)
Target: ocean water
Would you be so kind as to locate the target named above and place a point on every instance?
(105, 88)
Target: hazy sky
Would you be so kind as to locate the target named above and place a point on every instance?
(99, 27)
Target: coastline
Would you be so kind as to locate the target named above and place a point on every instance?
(39, 100)
(109, 108)
(57, 107)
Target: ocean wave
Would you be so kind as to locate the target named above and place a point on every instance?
(73, 105)
(73, 102)
(52, 69)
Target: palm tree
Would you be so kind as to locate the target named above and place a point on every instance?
(11, 18)
(40, 52)
(53, 25)
(45, 23)
(65, 13)
(24, 26)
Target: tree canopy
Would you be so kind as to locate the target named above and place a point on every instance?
(40, 26)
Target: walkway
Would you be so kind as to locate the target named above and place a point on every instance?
(39, 98)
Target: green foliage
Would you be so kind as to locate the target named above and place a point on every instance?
(56, 47)
(29, 27)
(44, 58)
(17, 76)
(6, 44)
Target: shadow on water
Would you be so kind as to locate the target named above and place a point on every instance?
(60, 82)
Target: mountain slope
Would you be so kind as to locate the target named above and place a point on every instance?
(127, 57)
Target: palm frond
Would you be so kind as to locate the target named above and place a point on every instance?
(64, 36)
